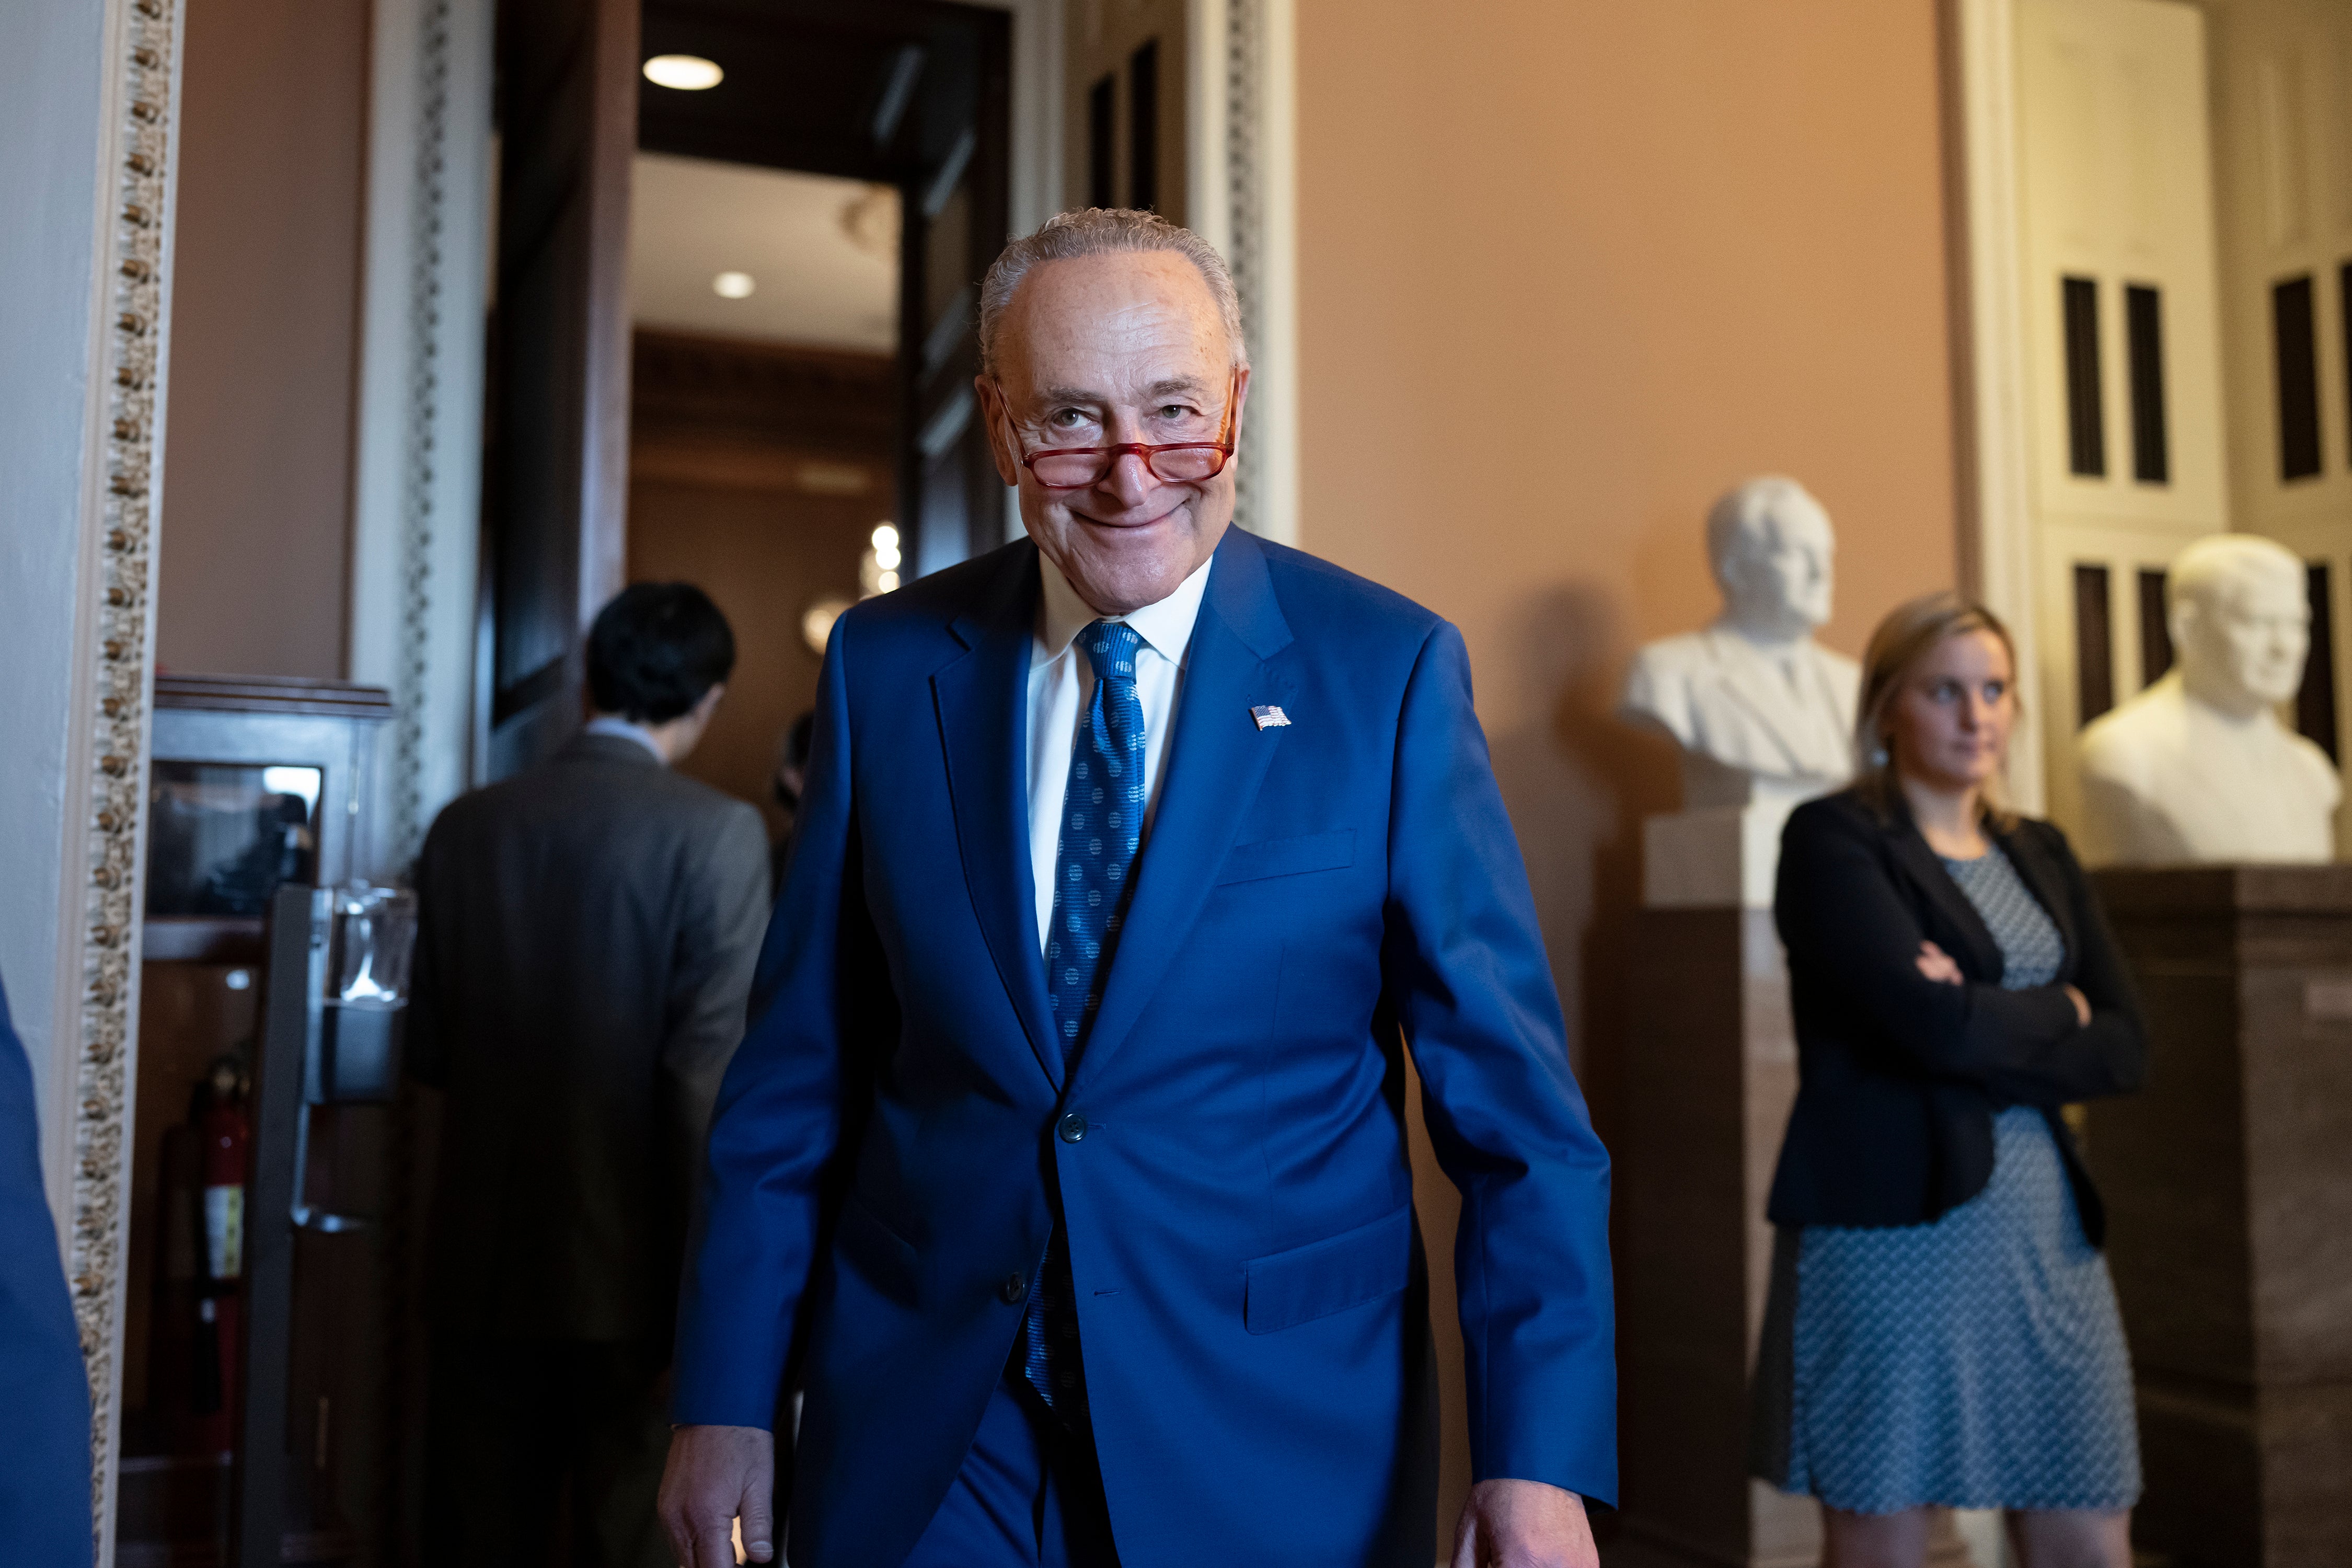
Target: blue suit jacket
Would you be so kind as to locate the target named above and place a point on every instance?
(883, 1170)
(43, 1391)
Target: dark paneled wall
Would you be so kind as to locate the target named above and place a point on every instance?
(757, 472)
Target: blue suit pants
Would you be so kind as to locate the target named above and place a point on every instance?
(1029, 1495)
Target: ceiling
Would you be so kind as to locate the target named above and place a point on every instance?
(814, 282)
(879, 89)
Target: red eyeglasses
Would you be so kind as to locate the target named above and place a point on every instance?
(1175, 463)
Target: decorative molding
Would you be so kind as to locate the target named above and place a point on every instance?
(404, 788)
(1038, 46)
(685, 386)
(137, 143)
(1242, 97)
(1274, 135)
(726, 413)
(1246, 224)
(416, 501)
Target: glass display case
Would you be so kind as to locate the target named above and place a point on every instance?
(256, 780)
(257, 785)
(220, 837)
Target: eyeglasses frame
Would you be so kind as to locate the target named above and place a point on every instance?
(1224, 445)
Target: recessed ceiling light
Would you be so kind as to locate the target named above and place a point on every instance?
(732, 285)
(687, 73)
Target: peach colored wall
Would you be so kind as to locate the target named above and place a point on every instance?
(264, 327)
(1568, 269)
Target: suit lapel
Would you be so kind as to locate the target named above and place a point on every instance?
(984, 715)
(1983, 957)
(1779, 708)
(1760, 695)
(2041, 879)
(1217, 757)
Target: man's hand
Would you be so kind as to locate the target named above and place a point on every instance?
(715, 1476)
(1523, 1524)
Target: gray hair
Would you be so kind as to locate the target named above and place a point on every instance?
(1103, 231)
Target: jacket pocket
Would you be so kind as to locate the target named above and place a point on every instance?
(1283, 1289)
(886, 1260)
(1330, 851)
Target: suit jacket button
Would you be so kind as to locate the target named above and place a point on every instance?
(1015, 1289)
(1072, 1128)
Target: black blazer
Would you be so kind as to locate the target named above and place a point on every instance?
(588, 932)
(1899, 1076)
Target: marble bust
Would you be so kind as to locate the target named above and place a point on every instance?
(2197, 767)
(1758, 707)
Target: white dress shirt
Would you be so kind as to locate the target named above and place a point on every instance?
(1062, 683)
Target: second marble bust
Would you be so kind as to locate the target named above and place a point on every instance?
(1752, 698)
(2197, 768)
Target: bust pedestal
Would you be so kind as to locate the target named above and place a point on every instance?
(1722, 849)
(1711, 1072)
(2229, 1191)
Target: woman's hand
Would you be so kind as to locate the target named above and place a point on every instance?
(1938, 965)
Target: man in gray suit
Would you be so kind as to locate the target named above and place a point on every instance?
(589, 929)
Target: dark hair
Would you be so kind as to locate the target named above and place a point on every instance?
(656, 650)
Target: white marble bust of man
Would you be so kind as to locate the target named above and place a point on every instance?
(2197, 767)
(1752, 698)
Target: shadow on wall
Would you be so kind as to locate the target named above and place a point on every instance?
(1578, 786)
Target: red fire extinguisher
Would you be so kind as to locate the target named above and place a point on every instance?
(227, 1134)
(227, 1137)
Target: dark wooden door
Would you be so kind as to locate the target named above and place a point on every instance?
(555, 481)
(956, 214)
(915, 94)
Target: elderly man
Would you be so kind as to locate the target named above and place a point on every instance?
(1064, 1163)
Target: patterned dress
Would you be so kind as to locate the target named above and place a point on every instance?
(1975, 1362)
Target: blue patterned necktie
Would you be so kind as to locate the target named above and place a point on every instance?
(1094, 877)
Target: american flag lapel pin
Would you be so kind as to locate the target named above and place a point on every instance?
(1270, 718)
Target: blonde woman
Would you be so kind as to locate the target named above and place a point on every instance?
(1942, 1329)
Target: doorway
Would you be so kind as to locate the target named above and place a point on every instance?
(807, 236)
(789, 321)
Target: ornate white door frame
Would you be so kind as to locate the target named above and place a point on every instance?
(1243, 157)
(2000, 553)
(89, 123)
(418, 501)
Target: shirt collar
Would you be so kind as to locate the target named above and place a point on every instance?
(1166, 626)
(621, 728)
